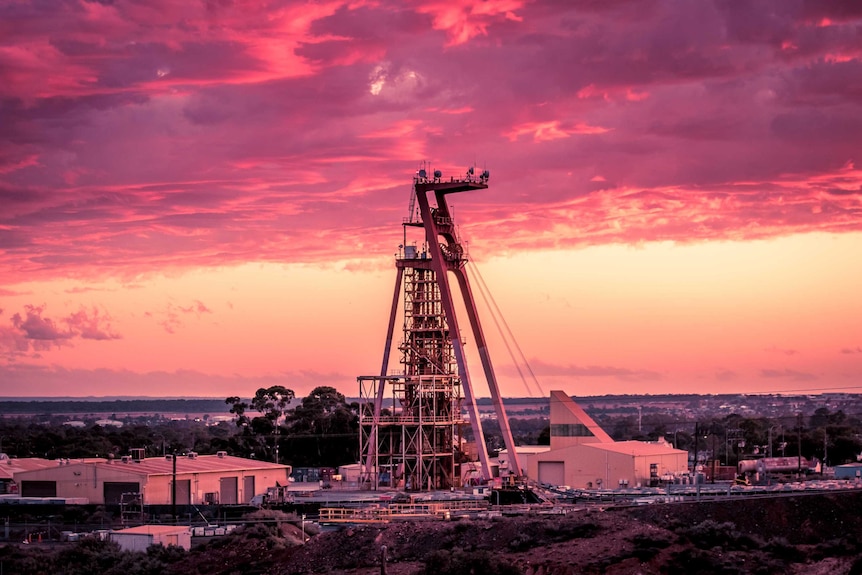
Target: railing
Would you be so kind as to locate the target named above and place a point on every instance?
(394, 511)
(429, 419)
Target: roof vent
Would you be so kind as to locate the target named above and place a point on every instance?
(169, 457)
(193, 454)
(125, 459)
(221, 454)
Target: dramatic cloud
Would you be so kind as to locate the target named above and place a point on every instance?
(145, 146)
(173, 135)
(33, 326)
(91, 325)
(34, 332)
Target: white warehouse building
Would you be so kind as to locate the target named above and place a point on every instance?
(200, 479)
(583, 455)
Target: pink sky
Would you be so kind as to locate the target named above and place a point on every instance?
(200, 198)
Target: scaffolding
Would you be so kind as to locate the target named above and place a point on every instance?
(418, 436)
(411, 423)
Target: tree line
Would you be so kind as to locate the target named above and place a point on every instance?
(322, 430)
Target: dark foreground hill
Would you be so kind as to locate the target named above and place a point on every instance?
(809, 534)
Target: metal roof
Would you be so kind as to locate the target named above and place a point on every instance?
(151, 530)
(10, 466)
(164, 465)
(635, 448)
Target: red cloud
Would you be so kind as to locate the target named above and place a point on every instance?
(32, 331)
(174, 135)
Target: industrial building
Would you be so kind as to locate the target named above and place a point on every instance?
(583, 455)
(849, 471)
(9, 466)
(200, 479)
(141, 537)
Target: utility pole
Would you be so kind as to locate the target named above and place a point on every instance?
(174, 487)
(696, 437)
(769, 441)
(714, 455)
(799, 440)
(825, 452)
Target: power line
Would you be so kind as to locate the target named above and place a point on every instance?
(495, 313)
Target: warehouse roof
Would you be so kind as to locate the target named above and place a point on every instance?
(635, 448)
(164, 465)
(152, 530)
(12, 465)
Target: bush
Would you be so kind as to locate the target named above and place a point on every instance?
(645, 548)
(466, 563)
(710, 533)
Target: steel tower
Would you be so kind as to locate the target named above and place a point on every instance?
(415, 444)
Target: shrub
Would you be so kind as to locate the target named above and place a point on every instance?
(466, 563)
(710, 533)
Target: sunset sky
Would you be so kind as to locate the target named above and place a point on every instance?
(203, 198)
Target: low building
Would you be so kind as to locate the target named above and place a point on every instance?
(141, 537)
(609, 465)
(9, 466)
(200, 479)
(848, 471)
(583, 455)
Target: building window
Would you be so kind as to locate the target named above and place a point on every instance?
(570, 430)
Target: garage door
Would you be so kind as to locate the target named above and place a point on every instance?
(552, 472)
(114, 490)
(38, 489)
(228, 488)
(184, 492)
(248, 488)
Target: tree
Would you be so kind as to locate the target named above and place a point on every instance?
(323, 430)
(238, 407)
(272, 401)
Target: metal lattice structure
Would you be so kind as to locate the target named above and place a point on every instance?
(414, 441)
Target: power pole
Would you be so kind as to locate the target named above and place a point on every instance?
(799, 441)
(174, 487)
(696, 437)
(825, 452)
